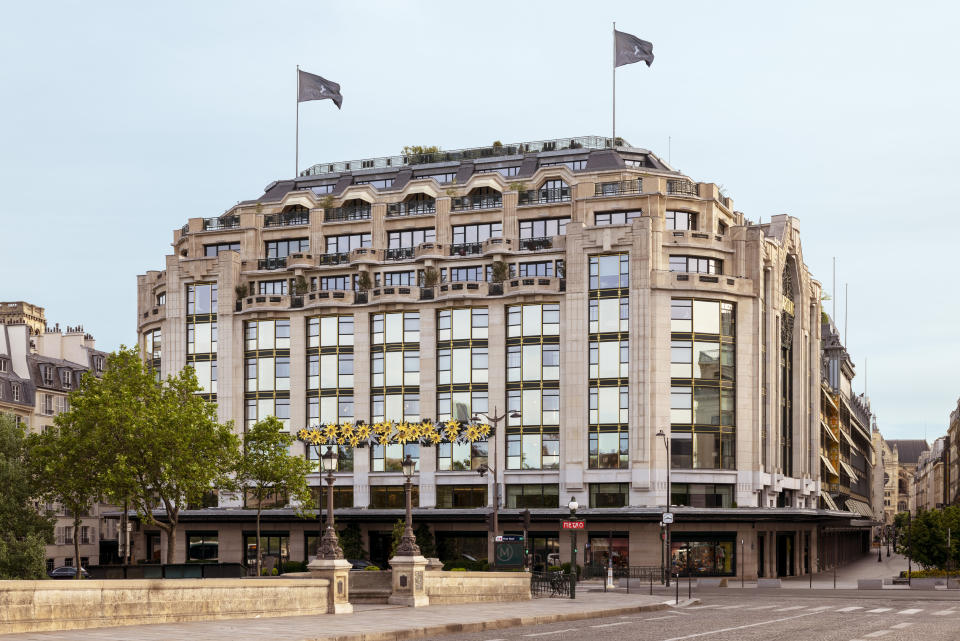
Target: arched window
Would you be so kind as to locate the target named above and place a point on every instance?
(479, 198)
(291, 215)
(413, 205)
(553, 191)
(353, 209)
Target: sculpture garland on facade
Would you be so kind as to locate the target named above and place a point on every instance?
(360, 434)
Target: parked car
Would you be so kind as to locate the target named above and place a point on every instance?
(67, 572)
(359, 564)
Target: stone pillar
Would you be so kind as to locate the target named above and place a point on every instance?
(408, 581)
(337, 571)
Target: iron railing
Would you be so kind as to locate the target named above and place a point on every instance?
(682, 188)
(272, 263)
(415, 208)
(225, 222)
(549, 584)
(617, 188)
(357, 212)
(287, 220)
(399, 253)
(335, 258)
(465, 249)
(539, 196)
(477, 201)
(534, 244)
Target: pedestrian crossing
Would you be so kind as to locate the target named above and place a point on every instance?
(826, 609)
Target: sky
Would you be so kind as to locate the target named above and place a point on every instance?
(121, 120)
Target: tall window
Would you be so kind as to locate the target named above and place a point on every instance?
(202, 335)
(462, 363)
(463, 234)
(330, 369)
(553, 191)
(266, 349)
(152, 349)
(395, 366)
(681, 220)
(543, 227)
(283, 248)
(214, 250)
(616, 217)
(410, 237)
(703, 387)
(345, 242)
(533, 386)
(608, 396)
(786, 371)
(696, 264)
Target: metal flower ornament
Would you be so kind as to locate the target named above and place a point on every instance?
(426, 432)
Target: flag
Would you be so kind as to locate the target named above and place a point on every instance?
(313, 87)
(631, 49)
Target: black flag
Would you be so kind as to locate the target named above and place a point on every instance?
(631, 49)
(313, 87)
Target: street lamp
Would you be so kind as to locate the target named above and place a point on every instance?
(573, 505)
(669, 555)
(329, 545)
(486, 467)
(408, 542)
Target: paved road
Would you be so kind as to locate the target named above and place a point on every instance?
(765, 616)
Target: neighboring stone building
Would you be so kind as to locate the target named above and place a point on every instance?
(907, 455)
(635, 300)
(931, 482)
(953, 456)
(21, 313)
(38, 370)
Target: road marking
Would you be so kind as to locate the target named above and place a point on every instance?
(878, 633)
(822, 607)
(878, 610)
(792, 607)
(900, 626)
(669, 616)
(610, 625)
(543, 634)
(851, 608)
(942, 613)
(731, 607)
(704, 607)
(763, 607)
(910, 611)
(740, 627)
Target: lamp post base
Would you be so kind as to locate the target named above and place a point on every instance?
(337, 572)
(409, 581)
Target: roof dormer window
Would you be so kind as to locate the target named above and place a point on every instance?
(66, 378)
(47, 372)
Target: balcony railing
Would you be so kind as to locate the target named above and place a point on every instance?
(286, 220)
(540, 196)
(618, 188)
(272, 263)
(224, 222)
(337, 258)
(477, 201)
(465, 249)
(359, 212)
(536, 244)
(682, 188)
(399, 253)
(418, 208)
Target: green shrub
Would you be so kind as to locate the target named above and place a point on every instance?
(565, 568)
(554, 568)
(927, 574)
(458, 569)
(274, 572)
(372, 567)
(294, 566)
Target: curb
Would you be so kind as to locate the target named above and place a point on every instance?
(496, 624)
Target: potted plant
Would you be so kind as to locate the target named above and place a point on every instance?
(364, 282)
(300, 286)
(499, 272)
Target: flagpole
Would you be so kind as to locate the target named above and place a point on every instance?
(296, 164)
(614, 140)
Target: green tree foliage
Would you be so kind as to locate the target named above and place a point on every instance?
(161, 445)
(266, 469)
(924, 537)
(67, 461)
(23, 530)
(398, 528)
(425, 541)
(351, 542)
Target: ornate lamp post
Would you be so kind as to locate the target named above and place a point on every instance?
(408, 542)
(669, 555)
(486, 467)
(330, 545)
(573, 505)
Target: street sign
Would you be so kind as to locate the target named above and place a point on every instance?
(667, 517)
(508, 554)
(509, 538)
(573, 525)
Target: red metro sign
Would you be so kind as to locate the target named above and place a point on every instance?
(573, 525)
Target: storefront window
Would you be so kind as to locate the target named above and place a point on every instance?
(703, 554)
(601, 545)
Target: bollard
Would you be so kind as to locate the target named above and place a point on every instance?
(689, 594)
(609, 583)
(677, 583)
(651, 584)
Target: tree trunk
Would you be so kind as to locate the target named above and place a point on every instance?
(259, 550)
(76, 544)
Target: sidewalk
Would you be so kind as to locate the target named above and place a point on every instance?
(847, 575)
(373, 622)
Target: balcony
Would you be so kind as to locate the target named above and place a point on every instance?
(618, 188)
(544, 196)
(415, 208)
(224, 222)
(395, 293)
(287, 220)
(429, 249)
(364, 255)
(496, 245)
(340, 214)
(299, 260)
(534, 284)
(682, 188)
(338, 296)
(399, 253)
(338, 258)
(536, 244)
(466, 249)
(463, 288)
(272, 263)
(477, 201)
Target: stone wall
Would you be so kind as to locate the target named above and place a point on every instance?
(470, 587)
(32, 606)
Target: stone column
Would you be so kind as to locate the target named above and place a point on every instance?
(337, 571)
(408, 581)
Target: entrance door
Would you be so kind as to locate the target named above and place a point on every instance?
(785, 565)
(380, 543)
(761, 557)
(153, 547)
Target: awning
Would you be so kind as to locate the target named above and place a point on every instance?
(852, 473)
(828, 465)
(831, 504)
(829, 432)
(859, 507)
(829, 397)
(847, 438)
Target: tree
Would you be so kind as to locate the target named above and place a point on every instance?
(23, 530)
(425, 541)
(351, 542)
(266, 468)
(398, 529)
(68, 466)
(161, 445)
